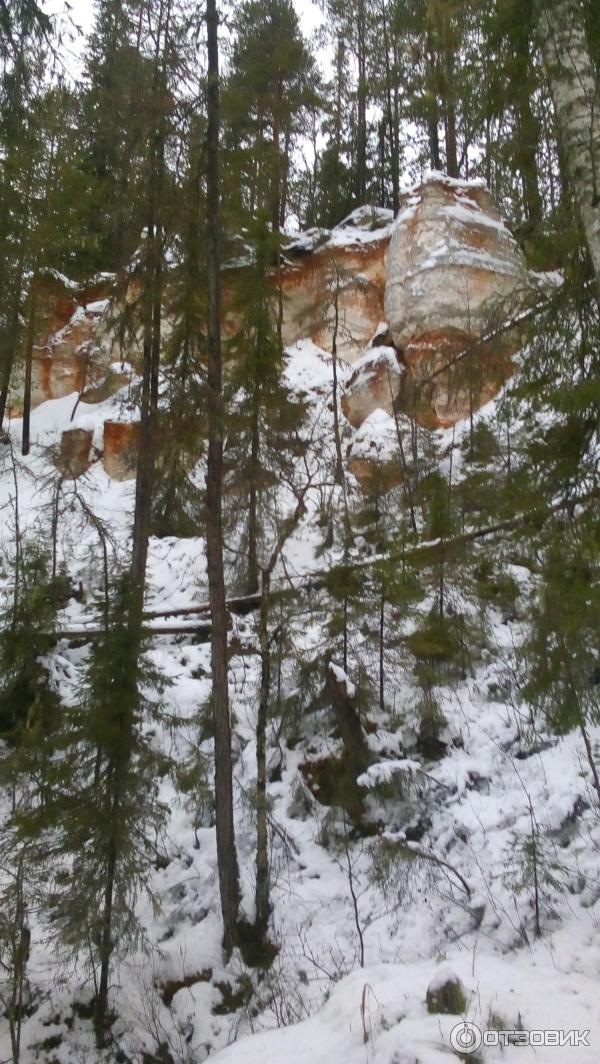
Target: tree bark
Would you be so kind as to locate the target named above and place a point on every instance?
(252, 572)
(528, 129)
(33, 295)
(339, 458)
(152, 312)
(449, 97)
(573, 81)
(106, 944)
(361, 97)
(226, 848)
(433, 116)
(262, 835)
(348, 723)
(262, 839)
(391, 115)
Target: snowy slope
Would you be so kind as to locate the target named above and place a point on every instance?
(317, 1003)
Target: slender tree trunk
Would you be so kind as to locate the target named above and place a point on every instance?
(451, 146)
(262, 836)
(382, 647)
(433, 117)
(226, 849)
(576, 94)
(528, 130)
(106, 944)
(262, 839)
(356, 749)
(33, 298)
(252, 574)
(149, 411)
(590, 756)
(339, 458)
(391, 114)
(361, 119)
(13, 338)
(152, 310)
(19, 945)
(448, 64)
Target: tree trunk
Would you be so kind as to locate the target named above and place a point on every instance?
(361, 118)
(528, 131)
(382, 648)
(106, 944)
(562, 38)
(448, 63)
(13, 338)
(391, 115)
(252, 573)
(29, 366)
(357, 757)
(149, 410)
(152, 311)
(226, 849)
(433, 118)
(262, 838)
(339, 458)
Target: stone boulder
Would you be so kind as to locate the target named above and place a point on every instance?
(319, 268)
(455, 274)
(121, 442)
(74, 456)
(446, 994)
(374, 456)
(374, 385)
(69, 321)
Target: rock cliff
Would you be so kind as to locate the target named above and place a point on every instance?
(455, 275)
(401, 298)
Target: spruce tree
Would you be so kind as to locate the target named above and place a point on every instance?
(104, 808)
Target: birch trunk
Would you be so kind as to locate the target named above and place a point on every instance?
(562, 38)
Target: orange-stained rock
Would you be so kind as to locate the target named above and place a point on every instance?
(347, 265)
(355, 276)
(455, 274)
(74, 457)
(374, 475)
(68, 323)
(121, 442)
(374, 385)
(439, 397)
(375, 457)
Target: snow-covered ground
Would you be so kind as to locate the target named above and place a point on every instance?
(363, 925)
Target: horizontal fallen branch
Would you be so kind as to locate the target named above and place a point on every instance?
(315, 581)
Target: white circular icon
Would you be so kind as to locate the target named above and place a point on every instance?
(466, 1037)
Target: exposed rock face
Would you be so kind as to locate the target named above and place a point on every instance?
(454, 274)
(374, 385)
(321, 267)
(67, 324)
(374, 457)
(121, 441)
(358, 274)
(74, 457)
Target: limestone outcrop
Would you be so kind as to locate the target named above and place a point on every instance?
(374, 385)
(121, 442)
(454, 275)
(74, 456)
(374, 457)
(68, 323)
(333, 281)
(402, 297)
